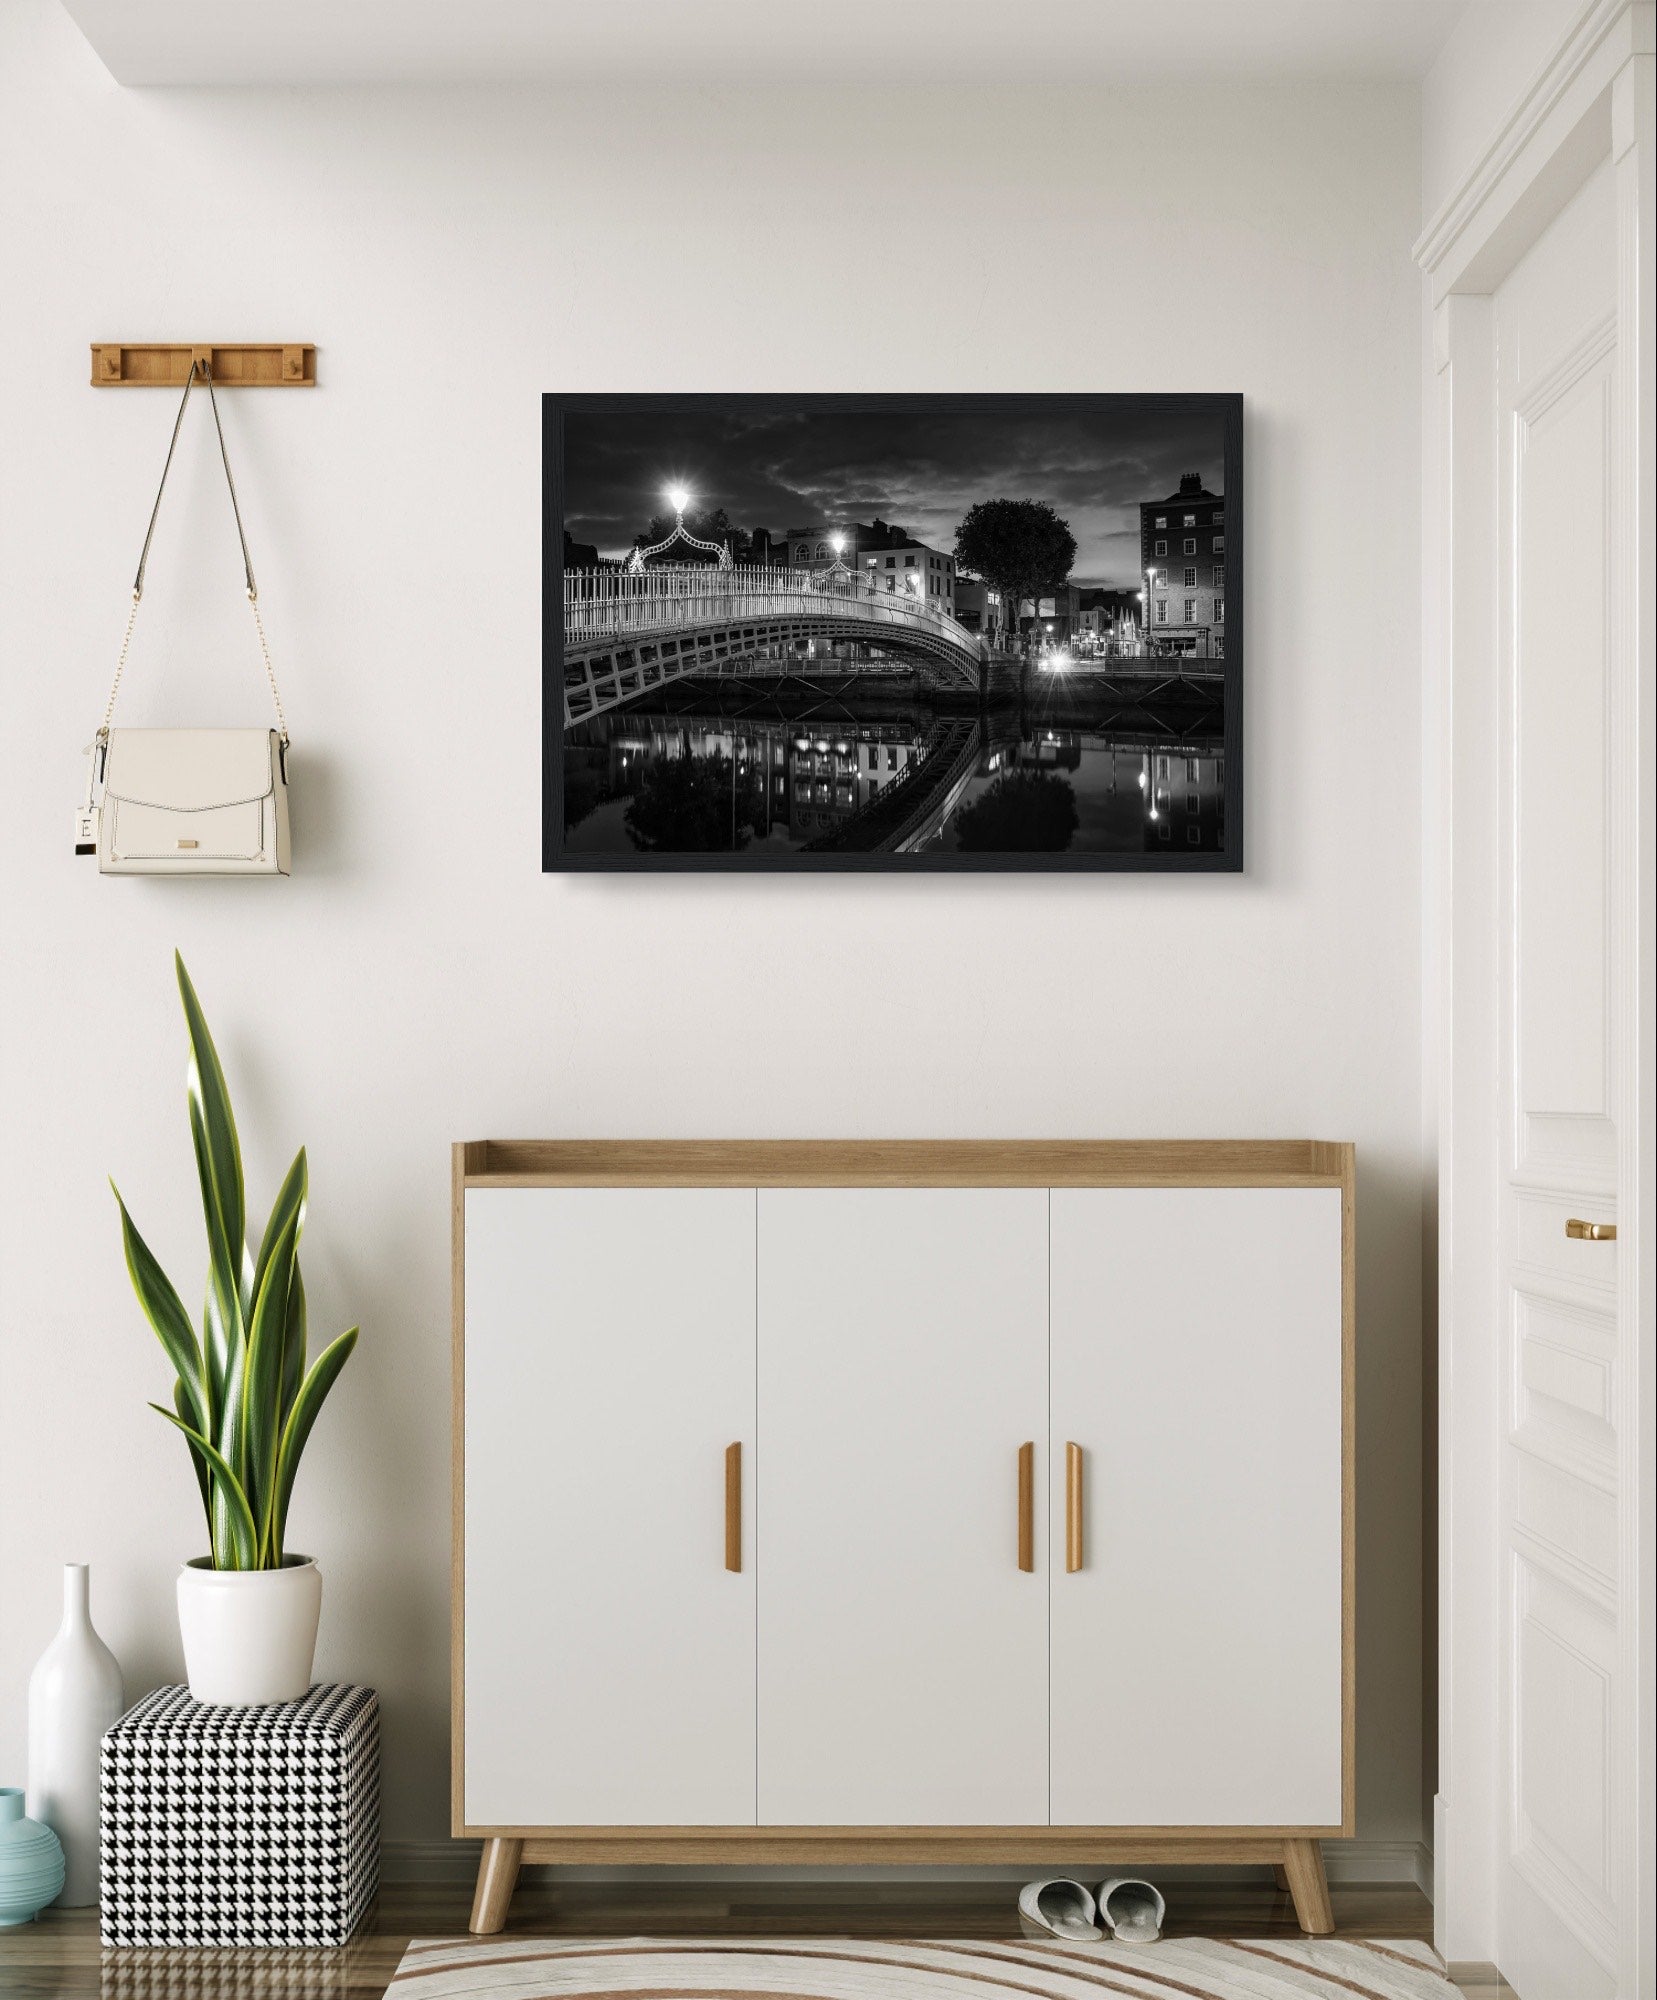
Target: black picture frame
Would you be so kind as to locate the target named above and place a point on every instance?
(1226, 408)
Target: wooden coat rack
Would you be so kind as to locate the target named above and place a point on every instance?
(162, 364)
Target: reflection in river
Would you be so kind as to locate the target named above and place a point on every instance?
(800, 767)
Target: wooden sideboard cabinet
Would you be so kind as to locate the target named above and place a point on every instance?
(903, 1501)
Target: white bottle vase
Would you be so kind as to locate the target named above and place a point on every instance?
(74, 1696)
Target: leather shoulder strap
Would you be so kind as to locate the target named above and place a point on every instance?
(241, 536)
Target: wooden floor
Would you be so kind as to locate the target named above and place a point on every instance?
(59, 1954)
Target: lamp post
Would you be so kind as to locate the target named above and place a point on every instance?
(1150, 598)
(678, 498)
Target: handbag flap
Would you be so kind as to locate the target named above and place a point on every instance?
(191, 770)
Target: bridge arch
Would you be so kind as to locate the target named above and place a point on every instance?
(627, 631)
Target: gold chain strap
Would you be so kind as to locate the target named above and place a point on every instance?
(270, 671)
(120, 669)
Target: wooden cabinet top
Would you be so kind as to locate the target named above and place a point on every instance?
(903, 1163)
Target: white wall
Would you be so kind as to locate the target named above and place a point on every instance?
(1488, 61)
(418, 980)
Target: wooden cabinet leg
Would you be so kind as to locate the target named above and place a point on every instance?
(497, 1877)
(1303, 1866)
(1280, 1875)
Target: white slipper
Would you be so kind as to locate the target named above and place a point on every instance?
(1130, 1910)
(1058, 1909)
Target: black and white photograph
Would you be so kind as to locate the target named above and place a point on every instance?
(977, 1316)
(896, 632)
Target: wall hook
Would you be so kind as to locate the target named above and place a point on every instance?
(160, 364)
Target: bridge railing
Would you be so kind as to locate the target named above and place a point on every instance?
(605, 601)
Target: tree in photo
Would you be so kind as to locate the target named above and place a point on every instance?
(589, 782)
(1021, 548)
(1023, 812)
(694, 805)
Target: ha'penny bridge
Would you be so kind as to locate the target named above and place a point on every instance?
(628, 631)
(634, 629)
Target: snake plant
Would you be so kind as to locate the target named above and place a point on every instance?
(243, 1397)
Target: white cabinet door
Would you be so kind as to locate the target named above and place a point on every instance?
(902, 1651)
(609, 1364)
(1196, 1359)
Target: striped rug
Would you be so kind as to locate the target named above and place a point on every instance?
(524, 1968)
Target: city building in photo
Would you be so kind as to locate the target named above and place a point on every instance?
(1182, 563)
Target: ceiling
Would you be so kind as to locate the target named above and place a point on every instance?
(896, 42)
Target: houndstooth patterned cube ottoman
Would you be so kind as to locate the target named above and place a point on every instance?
(241, 1826)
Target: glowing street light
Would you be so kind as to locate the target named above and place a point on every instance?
(678, 498)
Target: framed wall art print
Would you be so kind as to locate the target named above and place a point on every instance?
(908, 633)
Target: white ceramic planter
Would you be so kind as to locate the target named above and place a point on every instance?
(249, 1634)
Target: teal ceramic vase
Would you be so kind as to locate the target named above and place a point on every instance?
(31, 1862)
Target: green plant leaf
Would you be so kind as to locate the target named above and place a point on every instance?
(164, 1309)
(204, 1472)
(289, 1206)
(293, 1343)
(244, 1539)
(261, 1428)
(221, 1334)
(231, 1438)
(307, 1403)
(212, 1380)
(218, 1159)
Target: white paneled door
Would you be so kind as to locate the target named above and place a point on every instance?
(1562, 1755)
(1196, 1566)
(609, 1366)
(902, 1648)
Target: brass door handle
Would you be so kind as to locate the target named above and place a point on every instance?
(1591, 1232)
(733, 1506)
(1027, 1506)
(1072, 1507)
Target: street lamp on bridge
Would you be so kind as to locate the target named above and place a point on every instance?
(678, 498)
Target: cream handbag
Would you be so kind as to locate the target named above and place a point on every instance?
(188, 801)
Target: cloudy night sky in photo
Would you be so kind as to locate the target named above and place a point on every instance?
(922, 468)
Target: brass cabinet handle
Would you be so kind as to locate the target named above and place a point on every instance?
(733, 1506)
(1027, 1506)
(1072, 1507)
(1591, 1232)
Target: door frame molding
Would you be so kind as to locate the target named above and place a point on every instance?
(905, 1163)
(1591, 102)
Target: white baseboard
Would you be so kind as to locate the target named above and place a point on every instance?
(1344, 1861)
(1380, 1861)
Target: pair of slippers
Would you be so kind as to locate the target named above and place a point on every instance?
(1131, 1911)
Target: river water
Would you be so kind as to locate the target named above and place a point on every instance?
(835, 767)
